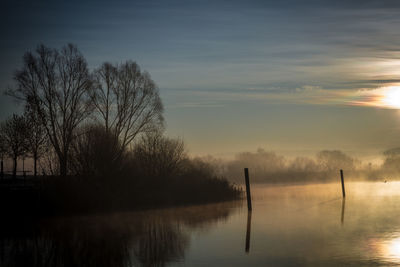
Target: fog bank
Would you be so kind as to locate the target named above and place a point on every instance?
(271, 167)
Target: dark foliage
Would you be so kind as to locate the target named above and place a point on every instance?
(121, 162)
(157, 172)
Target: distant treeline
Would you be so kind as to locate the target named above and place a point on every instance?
(97, 140)
(268, 166)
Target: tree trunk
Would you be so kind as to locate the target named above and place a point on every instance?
(15, 168)
(34, 166)
(63, 166)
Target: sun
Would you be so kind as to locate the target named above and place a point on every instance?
(382, 97)
(391, 97)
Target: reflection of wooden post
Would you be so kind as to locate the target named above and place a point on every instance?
(341, 177)
(1, 169)
(246, 176)
(343, 206)
(248, 231)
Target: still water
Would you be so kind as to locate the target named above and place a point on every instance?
(297, 225)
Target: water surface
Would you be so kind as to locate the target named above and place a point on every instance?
(309, 225)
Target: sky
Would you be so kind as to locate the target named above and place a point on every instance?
(290, 76)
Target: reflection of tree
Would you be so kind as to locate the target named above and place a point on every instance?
(74, 243)
(151, 238)
(160, 242)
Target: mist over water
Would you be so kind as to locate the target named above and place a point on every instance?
(273, 167)
(290, 225)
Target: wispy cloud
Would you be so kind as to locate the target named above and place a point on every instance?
(383, 97)
(197, 105)
(386, 97)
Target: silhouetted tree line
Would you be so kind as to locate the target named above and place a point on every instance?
(61, 95)
(99, 135)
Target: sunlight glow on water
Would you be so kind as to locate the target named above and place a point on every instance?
(393, 248)
(387, 250)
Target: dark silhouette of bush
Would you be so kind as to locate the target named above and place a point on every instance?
(96, 152)
(156, 172)
(158, 156)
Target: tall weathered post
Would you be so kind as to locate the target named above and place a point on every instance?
(341, 177)
(246, 176)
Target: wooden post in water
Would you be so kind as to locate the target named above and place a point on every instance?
(341, 177)
(246, 176)
(1, 169)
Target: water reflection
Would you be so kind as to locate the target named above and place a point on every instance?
(292, 225)
(248, 231)
(393, 248)
(343, 207)
(152, 238)
(299, 226)
(160, 242)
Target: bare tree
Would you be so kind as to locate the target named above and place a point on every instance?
(36, 139)
(55, 84)
(127, 101)
(14, 133)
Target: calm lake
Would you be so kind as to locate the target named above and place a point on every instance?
(297, 225)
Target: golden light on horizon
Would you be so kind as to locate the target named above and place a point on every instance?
(383, 97)
(391, 97)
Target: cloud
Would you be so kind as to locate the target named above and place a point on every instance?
(385, 97)
(198, 105)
